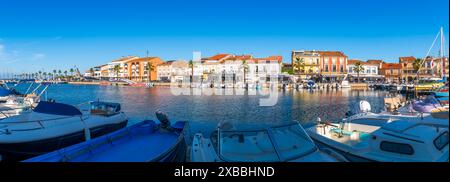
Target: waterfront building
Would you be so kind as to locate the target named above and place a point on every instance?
(430, 68)
(370, 70)
(408, 72)
(261, 69)
(211, 65)
(104, 71)
(391, 72)
(444, 67)
(109, 70)
(142, 69)
(306, 63)
(231, 67)
(172, 71)
(94, 73)
(333, 65)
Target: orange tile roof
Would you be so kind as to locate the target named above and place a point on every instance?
(241, 57)
(332, 53)
(407, 59)
(167, 63)
(374, 61)
(391, 66)
(125, 58)
(218, 57)
(353, 61)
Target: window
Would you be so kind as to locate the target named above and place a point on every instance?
(399, 148)
(334, 68)
(342, 68)
(441, 141)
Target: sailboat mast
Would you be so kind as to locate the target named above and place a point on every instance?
(442, 53)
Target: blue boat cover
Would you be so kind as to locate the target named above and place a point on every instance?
(57, 109)
(141, 142)
(5, 92)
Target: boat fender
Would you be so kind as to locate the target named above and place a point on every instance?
(163, 119)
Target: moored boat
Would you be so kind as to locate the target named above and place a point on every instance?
(145, 141)
(287, 143)
(385, 140)
(52, 125)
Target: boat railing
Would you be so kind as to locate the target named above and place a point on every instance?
(3, 114)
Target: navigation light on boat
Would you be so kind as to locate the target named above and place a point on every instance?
(364, 106)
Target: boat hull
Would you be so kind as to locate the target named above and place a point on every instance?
(21, 151)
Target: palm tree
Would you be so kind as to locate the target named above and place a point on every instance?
(45, 75)
(116, 70)
(51, 75)
(54, 74)
(149, 68)
(191, 65)
(358, 68)
(65, 73)
(92, 72)
(417, 64)
(40, 72)
(299, 64)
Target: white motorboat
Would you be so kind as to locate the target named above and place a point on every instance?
(17, 104)
(385, 140)
(51, 126)
(13, 106)
(344, 83)
(288, 143)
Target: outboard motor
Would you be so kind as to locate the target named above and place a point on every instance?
(163, 119)
(364, 106)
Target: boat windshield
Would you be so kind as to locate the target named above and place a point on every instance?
(104, 108)
(281, 143)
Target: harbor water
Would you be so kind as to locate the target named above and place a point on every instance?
(204, 112)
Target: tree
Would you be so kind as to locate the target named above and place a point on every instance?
(54, 74)
(417, 64)
(299, 64)
(116, 70)
(358, 69)
(45, 75)
(65, 73)
(191, 65)
(40, 73)
(150, 67)
(92, 72)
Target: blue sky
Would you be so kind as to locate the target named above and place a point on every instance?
(47, 35)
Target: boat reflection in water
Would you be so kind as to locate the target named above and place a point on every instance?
(286, 143)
